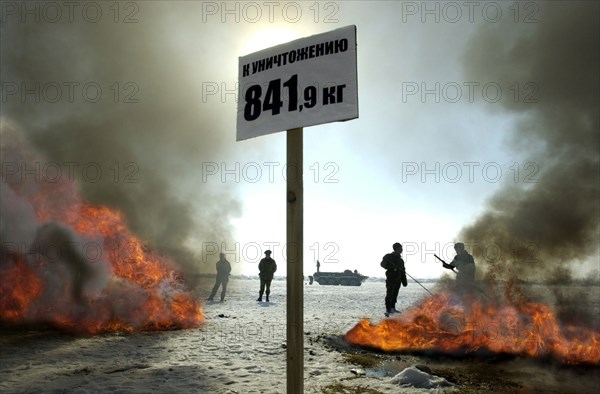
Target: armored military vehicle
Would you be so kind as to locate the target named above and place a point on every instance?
(346, 278)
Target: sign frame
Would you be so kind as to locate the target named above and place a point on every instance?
(305, 82)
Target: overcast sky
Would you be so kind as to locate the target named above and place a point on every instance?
(416, 167)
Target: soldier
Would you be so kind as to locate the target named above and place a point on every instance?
(267, 268)
(223, 271)
(465, 264)
(395, 276)
(318, 265)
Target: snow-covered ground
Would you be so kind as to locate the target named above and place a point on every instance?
(239, 349)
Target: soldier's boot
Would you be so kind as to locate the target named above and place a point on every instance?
(268, 292)
(259, 297)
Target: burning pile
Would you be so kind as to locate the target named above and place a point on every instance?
(75, 266)
(450, 324)
(546, 229)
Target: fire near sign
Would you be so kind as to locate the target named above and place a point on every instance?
(304, 82)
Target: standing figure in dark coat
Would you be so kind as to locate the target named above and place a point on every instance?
(223, 271)
(395, 275)
(465, 264)
(267, 268)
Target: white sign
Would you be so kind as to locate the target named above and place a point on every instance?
(301, 83)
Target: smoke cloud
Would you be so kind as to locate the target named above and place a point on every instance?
(119, 105)
(545, 229)
(75, 266)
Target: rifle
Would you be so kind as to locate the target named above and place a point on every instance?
(476, 288)
(443, 262)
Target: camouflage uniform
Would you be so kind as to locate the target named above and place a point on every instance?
(395, 275)
(267, 268)
(465, 264)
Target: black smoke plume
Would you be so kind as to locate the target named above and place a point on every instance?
(548, 228)
(148, 131)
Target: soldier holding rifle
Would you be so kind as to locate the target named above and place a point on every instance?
(395, 275)
(465, 264)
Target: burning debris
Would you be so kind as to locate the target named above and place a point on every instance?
(543, 231)
(76, 266)
(450, 324)
(136, 140)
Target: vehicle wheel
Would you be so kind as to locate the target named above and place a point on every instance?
(344, 282)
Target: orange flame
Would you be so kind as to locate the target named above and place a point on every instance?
(441, 323)
(143, 292)
(14, 304)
